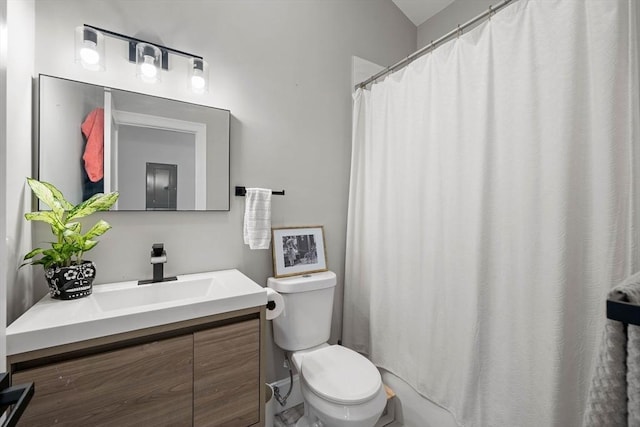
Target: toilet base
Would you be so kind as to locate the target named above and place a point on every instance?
(304, 422)
(322, 413)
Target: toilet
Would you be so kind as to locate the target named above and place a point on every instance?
(340, 387)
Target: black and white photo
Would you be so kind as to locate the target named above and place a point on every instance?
(298, 250)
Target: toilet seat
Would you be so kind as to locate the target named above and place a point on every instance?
(341, 375)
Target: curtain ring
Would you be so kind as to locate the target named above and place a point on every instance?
(431, 49)
(459, 33)
(491, 12)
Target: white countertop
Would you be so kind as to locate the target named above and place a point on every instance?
(123, 307)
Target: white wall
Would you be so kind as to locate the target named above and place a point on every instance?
(457, 13)
(62, 130)
(3, 181)
(20, 65)
(137, 146)
(283, 68)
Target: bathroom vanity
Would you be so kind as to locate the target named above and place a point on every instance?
(164, 363)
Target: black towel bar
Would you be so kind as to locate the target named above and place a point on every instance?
(17, 396)
(623, 311)
(241, 191)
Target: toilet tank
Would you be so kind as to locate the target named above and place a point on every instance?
(308, 307)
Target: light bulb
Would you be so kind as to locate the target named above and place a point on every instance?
(148, 68)
(197, 82)
(89, 50)
(198, 75)
(89, 55)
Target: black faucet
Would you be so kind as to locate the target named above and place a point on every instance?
(158, 258)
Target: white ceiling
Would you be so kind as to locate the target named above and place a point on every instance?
(419, 11)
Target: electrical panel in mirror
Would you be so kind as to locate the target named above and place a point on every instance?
(158, 153)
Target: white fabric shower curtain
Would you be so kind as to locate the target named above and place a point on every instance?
(493, 203)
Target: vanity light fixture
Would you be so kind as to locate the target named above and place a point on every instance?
(90, 48)
(150, 59)
(148, 62)
(198, 75)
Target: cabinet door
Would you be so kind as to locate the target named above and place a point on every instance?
(227, 375)
(149, 384)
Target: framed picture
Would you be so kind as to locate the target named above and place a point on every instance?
(298, 250)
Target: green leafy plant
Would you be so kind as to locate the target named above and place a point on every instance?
(63, 218)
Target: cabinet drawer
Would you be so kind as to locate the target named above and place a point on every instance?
(147, 384)
(227, 375)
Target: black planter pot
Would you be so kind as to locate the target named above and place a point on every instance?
(71, 282)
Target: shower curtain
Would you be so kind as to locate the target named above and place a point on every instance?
(493, 202)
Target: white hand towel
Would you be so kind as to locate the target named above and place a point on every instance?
(257, 218)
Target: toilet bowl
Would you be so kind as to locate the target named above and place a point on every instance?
(340, 387)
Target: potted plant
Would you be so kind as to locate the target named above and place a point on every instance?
(68, 274)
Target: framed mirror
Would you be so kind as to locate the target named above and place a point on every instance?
(158, 153)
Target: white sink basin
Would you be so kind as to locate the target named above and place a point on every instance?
(156, 293)
(126, 306)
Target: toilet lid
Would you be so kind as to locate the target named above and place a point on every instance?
(341, 375)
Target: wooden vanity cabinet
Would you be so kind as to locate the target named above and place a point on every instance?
(202, 372)
(226, 382)
(147, 381)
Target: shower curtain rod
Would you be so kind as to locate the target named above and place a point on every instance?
(431, 46)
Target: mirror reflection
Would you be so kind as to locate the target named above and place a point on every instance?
(159, 154)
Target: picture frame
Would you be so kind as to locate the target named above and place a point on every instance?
(298, 250)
